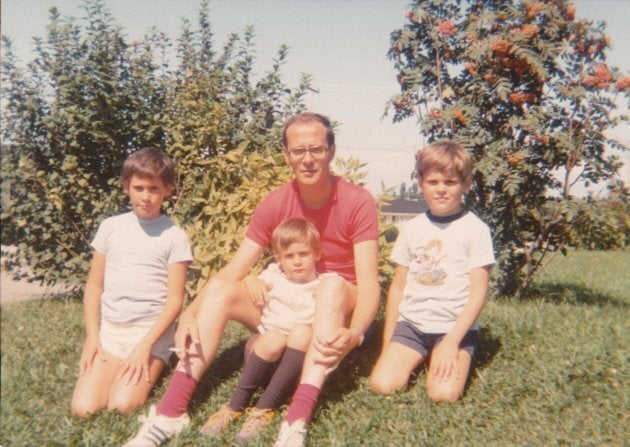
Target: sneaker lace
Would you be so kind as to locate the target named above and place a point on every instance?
(257, 418)
(222, 417)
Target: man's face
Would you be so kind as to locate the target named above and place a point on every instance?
(308, 153)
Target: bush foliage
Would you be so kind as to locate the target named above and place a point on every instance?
(89, 98)
(525, 87)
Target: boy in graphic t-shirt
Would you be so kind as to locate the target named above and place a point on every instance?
(439, 287)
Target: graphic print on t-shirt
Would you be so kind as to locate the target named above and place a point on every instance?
(425, 266)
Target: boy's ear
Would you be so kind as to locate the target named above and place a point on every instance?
(169, 190)
(126, 188)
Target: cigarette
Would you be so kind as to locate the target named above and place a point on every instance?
(174, 349)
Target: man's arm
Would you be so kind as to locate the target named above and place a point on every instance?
(368, 289)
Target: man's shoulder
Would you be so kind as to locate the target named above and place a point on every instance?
(351, 191)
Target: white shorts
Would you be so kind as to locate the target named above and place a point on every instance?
(119, 339)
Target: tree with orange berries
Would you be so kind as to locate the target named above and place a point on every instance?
(525, 87)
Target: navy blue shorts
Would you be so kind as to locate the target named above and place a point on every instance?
(406, 334)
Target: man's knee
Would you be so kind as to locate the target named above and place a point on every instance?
(334, 292)
(218, 294)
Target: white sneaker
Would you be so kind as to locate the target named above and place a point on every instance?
(292, 435)
(157, 429)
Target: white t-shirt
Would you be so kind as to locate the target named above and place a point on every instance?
(138, 253)
(439, 257)
(289, 302)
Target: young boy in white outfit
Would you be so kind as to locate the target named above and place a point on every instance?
(134, 292)
(440, 284)
(275, 355)
(279, 348)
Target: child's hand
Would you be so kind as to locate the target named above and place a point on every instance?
(136, 365)
(444, 360)
(257, 289)
(91, 349)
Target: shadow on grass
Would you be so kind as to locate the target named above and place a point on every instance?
(487, 349)
(567, 293)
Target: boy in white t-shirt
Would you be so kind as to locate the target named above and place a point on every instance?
(134, 292)
(440, 284)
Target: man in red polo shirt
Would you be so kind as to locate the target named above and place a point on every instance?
(346, 304)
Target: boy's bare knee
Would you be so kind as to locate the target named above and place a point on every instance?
(124, 405)
(84, 409)
(382, 385)
(443, 394)
(300, 337)
(270, 345)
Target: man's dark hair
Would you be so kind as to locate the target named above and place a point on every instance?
(308, 117)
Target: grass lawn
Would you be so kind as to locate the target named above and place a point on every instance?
(551, 370)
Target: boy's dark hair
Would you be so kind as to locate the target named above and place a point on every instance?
(308, 117)
(293, 231)
(149, 162)
(446, 157)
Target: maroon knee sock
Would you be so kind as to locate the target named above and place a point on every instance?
(178, 394)
(303, 403)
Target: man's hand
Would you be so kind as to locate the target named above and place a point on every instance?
(187, 335)
(257, 289)
(444, 360)
(331, 350)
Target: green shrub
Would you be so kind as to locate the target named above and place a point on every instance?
(90, 98)
(524, 87)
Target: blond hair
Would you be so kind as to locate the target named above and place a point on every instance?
(445, 157)
(294, 230)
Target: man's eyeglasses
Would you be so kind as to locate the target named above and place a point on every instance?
(316, 152)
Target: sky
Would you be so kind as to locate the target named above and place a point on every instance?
(342, 44)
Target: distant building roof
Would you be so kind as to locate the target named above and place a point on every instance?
(405, 206)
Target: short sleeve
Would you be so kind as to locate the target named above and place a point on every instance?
(261, 224)
(99, 243)
(401, 253)
(180, 250)
(481, 252)
(365, 219)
